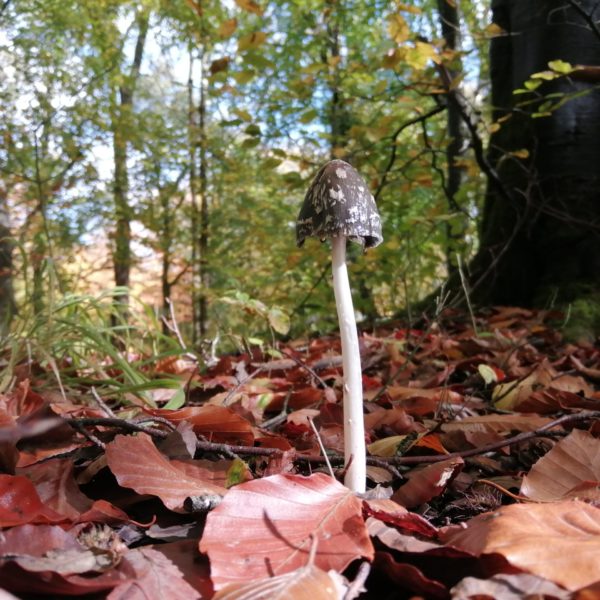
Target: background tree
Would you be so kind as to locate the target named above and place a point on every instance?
(540, 237)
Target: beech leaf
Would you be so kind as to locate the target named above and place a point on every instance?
(558, 541)
(428, 483)
(137, 464)
(570, 468)
(265, 527)
(305, 583)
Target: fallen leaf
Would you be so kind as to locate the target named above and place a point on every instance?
(20, 503)
(498, 423)
(216, 423)
(558, 541)
(137, 464)
(265, 527)
(573, 461)
(508, 587)
(305, 583)
(152, 576)
(428, 482)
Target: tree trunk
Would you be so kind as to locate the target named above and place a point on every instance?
(456, 226)
(540, 232)
(195, 217)
(203, 264)
(121, 129)
(7, 297)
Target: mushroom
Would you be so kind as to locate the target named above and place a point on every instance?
(338, 205)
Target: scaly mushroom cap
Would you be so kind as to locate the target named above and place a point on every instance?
(338, 202)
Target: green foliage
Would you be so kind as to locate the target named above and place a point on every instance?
(286, 85)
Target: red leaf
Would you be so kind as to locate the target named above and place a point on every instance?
(56, 487)
(264, 527)
(427, 483)
(137, 464)
(216, 423)
(305, 583)
(152, 576)
(20, 503)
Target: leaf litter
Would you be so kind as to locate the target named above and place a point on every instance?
(484, 477)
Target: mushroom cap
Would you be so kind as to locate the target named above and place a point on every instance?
(338, 202)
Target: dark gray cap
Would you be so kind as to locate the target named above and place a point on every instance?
(338, 202)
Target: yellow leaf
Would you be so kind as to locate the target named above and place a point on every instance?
(252, 41)
(250, 6)
(227, 28)
(409, 9)
(494, 127)
(242, 114)
(560, 66)
(494, 30)
(244, 76)
(386, 446)
(339, 152)
(391, 58)
(418, 56)
(334, 61)
(546, 75)
(398, 28)
(523, 153)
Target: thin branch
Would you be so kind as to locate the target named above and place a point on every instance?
(394, 137)
(323, 452)
(588, 18)
(521, 437)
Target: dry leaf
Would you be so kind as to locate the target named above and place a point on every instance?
(265, 527)
(558, 541)
(573, 461)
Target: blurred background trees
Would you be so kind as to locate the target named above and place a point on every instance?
(165, 147)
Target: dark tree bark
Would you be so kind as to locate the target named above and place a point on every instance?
(452, 179)
(121, 130)
(540, 232)
(7, 298)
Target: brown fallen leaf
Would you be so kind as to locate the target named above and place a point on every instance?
(428, 482)
(265, 527)
(216, 423)
(508, 587)
(20, 503)
(305, 583)
(137, 464)
(573, 461)
(152, 576)
(498, 423)
(558, 541)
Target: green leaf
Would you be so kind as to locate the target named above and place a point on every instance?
(237, 473)
(177, 401)
(252, 129)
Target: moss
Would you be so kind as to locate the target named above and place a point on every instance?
(583, 318)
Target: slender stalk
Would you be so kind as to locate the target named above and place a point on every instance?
(354, 428)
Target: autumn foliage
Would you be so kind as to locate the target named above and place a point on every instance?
(484, 471)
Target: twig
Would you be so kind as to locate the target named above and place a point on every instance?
(174, 327)
(115, 422)
(356, 588)
(307, 368)
(465, 287)
(521, 437)
(587, 17)
(161, 420)
(330, 469)
(240, 384)
(90, 436)
(102, 404)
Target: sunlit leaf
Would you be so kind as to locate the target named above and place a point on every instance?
(228, 27)
(398, 28)
(267, 526)
(251, 41)
(279, 320)
(250, 6)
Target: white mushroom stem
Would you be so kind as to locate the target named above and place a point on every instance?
(354, 427)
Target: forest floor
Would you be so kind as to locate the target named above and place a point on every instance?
(484, 474)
